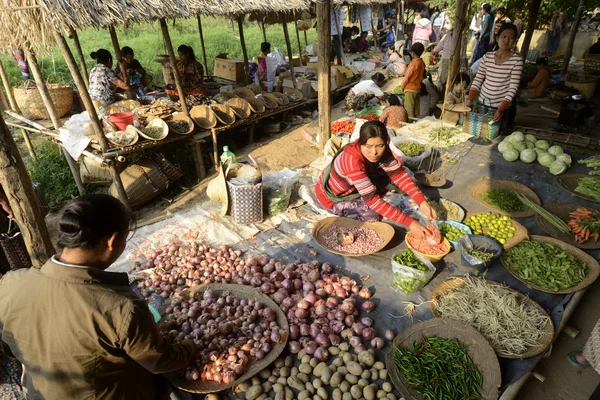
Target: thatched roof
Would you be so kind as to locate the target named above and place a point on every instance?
(22, 24)
(243, 7)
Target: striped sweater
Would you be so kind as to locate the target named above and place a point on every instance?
(497, 84)
(349, 175)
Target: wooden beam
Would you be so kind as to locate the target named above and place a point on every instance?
(51, 109)
(264, 30)
(299, 44)
(117, 48)
(201, 32)
(286, 34)
(534, 8)
(16, 183)
(324, 69)
(167, 37)
(80, 56)
(574, 29)
(243, 43)
(89, 106)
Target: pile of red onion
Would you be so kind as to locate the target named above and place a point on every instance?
(322, 308)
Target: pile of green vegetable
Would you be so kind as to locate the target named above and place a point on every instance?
(589, 187)
(452, 232)
(439, 368)
(482, 255)
(406, 282)
(592, 162)
(445, 210)
(545, 265)
(397, 90)
(497, 227)
(412, 149)
(527, 148)
(505, 200)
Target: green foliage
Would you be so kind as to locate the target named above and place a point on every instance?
(51, 170)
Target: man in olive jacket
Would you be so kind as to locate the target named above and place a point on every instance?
(80, 331)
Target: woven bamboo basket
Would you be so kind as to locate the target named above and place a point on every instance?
(32, 106)
(172, 172)
(240, 107)
(269, 100)
(282, 99)
(454, 283)
(478, 194)
(293, 92)
(204, 117)
(569, 182)
(15, 250)
(562, 211)
(586, 86)
(143, 182)
(224, 113)
(93, 172)
(257, 106)
(244, 93)
(182, 117)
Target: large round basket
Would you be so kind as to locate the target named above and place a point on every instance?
(478, 194)
(592, 264)
(204, 117)
(224, 96)
(454, 283)
(254, 366)
(319, 231)
(156, 123)
(240, 107)
(257, 106)
(569, 182)
(129, 137)
(460, 211)
(32, 106)
(562, 211)
(476, 345)
(293, 94)
(186, 119)
(520, 233)
(244, 93)
(282, 99)
(224, 113)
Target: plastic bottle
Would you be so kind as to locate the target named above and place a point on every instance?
(227, 157)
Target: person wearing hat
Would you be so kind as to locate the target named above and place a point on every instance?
(444, 49)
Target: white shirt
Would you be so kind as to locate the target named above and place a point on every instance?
(367, 86)
(340, 12)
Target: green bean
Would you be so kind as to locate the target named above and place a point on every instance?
(589, 187)
(504, 200)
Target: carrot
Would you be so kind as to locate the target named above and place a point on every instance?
(586, 234)
(596, 236)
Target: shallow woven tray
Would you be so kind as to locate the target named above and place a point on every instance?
(592, 264)
(461, 211)
(520, 233)
(562, 210)
(182, 117)
(244, 93)
(257, 106)
(430, 180)
(136, 137)
(269, 100)
(254, 366)
(569, 183)
(294, 92)
(385, 232)
(454, 283)
(240, 107)
(480, 188)
(204, 117)
(156, 123)
(476, 345)
(282, 99)
(224, 113)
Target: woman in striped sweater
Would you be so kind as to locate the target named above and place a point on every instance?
(352, 185)
(497, 80)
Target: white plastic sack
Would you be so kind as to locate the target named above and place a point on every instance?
(311, 50)
(412, 162)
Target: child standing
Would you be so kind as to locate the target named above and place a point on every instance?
(412, 81)
(394, 115)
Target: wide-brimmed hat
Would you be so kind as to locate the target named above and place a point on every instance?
(217, 190)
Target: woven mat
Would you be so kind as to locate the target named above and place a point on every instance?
(478, 194)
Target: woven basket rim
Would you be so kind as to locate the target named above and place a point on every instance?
(294, 91)
(477, 192)
(224, 113)
(240, 107)
(182, 117)
(570, 181)
(134, 141)
(204, 117)
(520, 233)
(272, 101)
(257, 106)
(244, 92)
(281, 98)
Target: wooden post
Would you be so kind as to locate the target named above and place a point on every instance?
(534, 8)
(89, 106)
(244, 51)
(264, 31)
(457, 32)
(339, 33)
(3, 102)
(324, 69)
(574, 28)
(286, 34)
(167, 37)
(115, 42)
(16, 183)
(299, 44)
(13, 106)
(202, 44)
(82, 66)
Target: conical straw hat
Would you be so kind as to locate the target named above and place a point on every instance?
(217, 191)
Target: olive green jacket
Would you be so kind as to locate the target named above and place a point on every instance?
(82, 333)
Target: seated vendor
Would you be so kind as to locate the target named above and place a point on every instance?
(394, 115)
(190, 70)
(265, 49)
(103, 86)
(395, 64)
(362, 44)
(358, 97)
(460, 84)
(352, 185)
(137, 74)
(79, 330)
(537, 87)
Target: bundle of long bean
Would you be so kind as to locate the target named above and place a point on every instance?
(511, 326)
(547, 215)
(439, 368)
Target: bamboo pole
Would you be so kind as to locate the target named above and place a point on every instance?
(264, 31)
(82, 66)
(49, 104)
(89, 106)
(305, 39)
(339, 34)
(534, 9)
(574, 29)
(3, 102)
(324, 69)
(202, 44)
(286, 34)
(17, 185)
(13, 106)
(167, 37)
(299, 44)
(460, 21)
(243, 43)
(115, 42)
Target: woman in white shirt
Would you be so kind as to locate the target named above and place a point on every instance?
(362, 92)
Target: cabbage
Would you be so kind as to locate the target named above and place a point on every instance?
(564, 157)
(546, 159)
(558, 167)
(528, 156)
(504, 145)
(542, 144)
(530, 138)
(517, 136)
(511, 155)
(555, 150)
(539, 152)
(530, 145)
(519, 146)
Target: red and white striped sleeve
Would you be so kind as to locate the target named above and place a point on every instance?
(515, 80)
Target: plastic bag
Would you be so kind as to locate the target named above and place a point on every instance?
(411, 162)
(407, 279)
(469, 242)
(311, 50)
